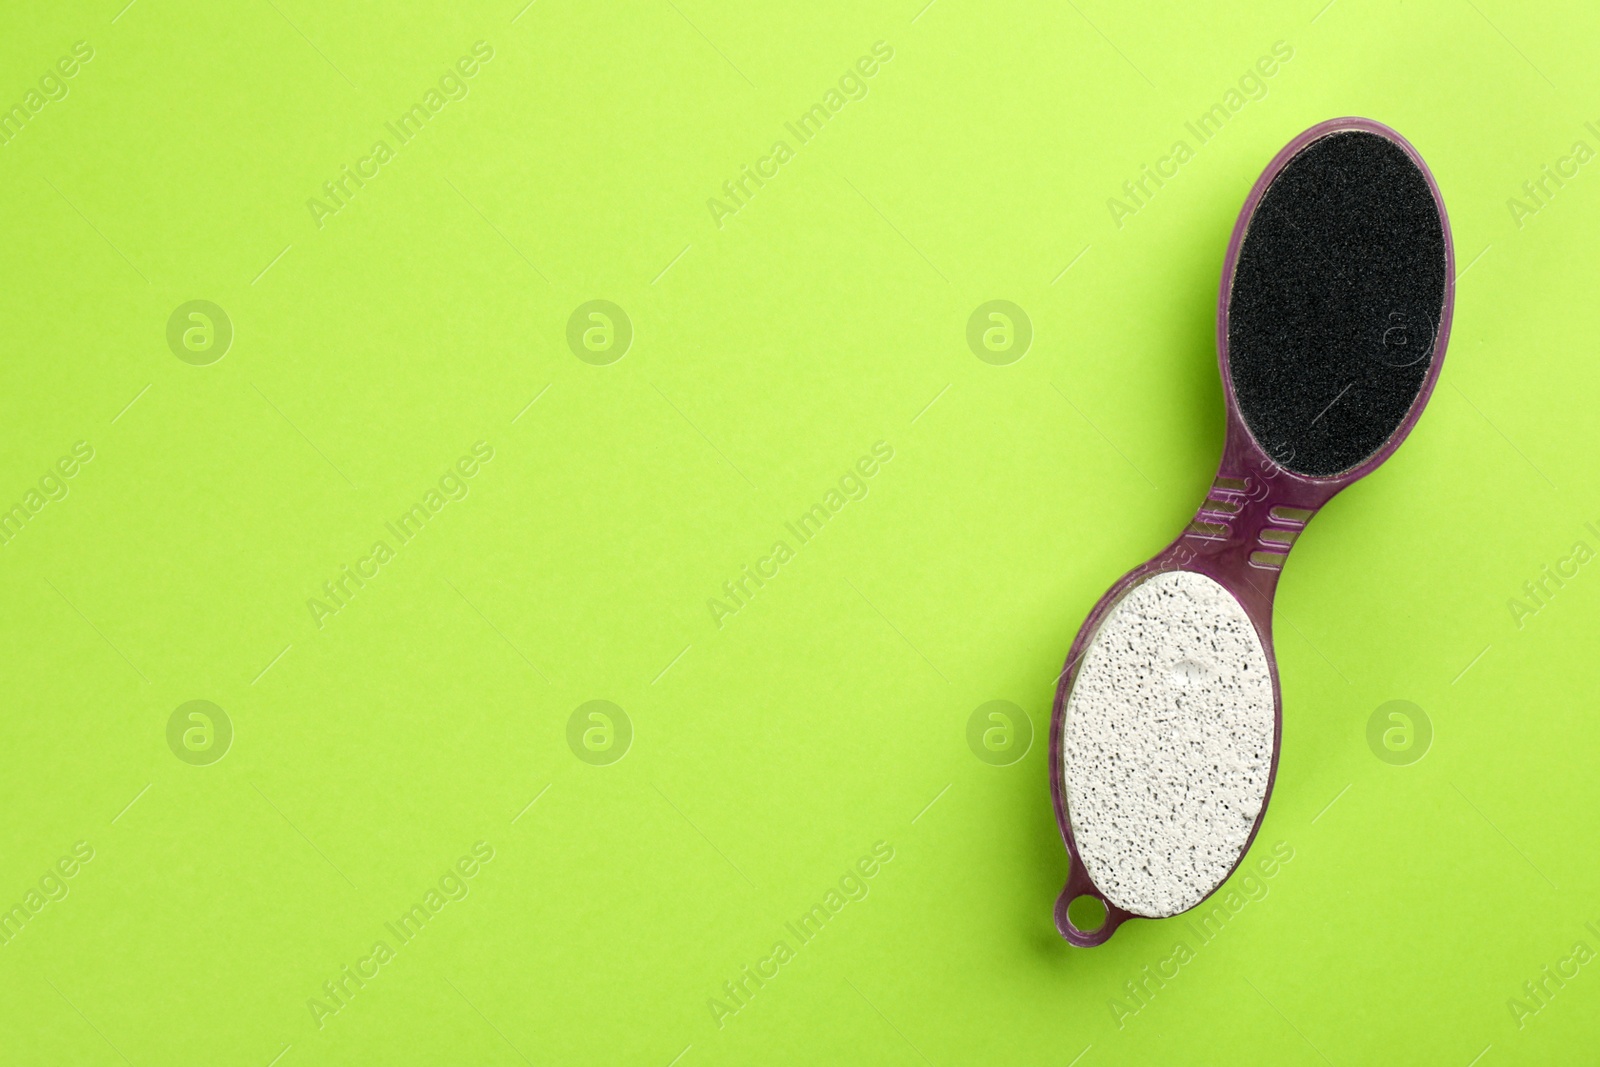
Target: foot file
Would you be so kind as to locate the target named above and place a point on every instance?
(1335, 308)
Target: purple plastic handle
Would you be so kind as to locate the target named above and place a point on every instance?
(1242, 532)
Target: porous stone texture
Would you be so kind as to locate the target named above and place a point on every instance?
(1167, 744)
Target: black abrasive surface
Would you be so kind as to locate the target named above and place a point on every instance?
(1335, 303)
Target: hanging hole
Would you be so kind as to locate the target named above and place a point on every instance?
(1087, 913)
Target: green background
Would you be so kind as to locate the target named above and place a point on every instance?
(768, 753)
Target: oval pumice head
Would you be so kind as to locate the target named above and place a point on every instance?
(1336, 302)
(1167, 744)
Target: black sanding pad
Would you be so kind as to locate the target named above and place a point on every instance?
(1336, 300)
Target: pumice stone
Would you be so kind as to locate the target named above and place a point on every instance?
(1336, 297)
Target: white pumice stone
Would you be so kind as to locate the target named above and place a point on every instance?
(1167, 743)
